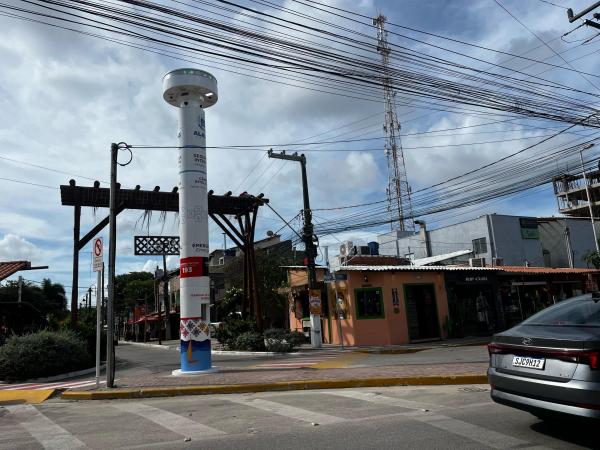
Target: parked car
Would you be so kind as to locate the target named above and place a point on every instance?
(550, 364)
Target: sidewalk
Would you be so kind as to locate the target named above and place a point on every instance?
(388, 349)
(259, 380)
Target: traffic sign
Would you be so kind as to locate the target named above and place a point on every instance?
(97, 253)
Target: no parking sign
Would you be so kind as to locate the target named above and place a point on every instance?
(97, 252)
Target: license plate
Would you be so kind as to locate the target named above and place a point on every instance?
(529, 362)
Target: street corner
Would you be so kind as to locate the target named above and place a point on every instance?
(28, 396)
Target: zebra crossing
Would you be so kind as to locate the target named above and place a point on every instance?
(248, 418)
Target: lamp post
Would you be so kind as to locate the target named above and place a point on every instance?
(192, 91)
(589, 198)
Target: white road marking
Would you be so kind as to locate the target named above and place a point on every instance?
(166, 419)
(286, 410)
(384, 400)
(50, 435)
(473, 432)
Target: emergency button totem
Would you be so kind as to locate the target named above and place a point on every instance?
(192, 91)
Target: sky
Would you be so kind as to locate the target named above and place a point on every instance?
(65, 97)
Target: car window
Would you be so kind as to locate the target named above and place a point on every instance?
(575, 312)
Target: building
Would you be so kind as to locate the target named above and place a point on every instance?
(495, 239)
(366, 305)
(571, 194)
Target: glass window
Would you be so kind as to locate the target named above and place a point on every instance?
(479, 246)
(578, 311)
(369, 303)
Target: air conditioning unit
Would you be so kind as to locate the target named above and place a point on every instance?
(477, 262)
(346, 248)
(497, 262)
(363, 250)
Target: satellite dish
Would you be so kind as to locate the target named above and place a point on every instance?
(270, 233)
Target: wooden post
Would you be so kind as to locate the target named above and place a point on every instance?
(75, 280)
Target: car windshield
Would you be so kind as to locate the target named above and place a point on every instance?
(578, 311)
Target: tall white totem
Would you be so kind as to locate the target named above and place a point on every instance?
(192, 91)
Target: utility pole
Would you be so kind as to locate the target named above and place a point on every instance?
(20, 289)
(573, 17)
(112, 248)
(589, 198)
(166, 299)
(398, 190)
(310, 252)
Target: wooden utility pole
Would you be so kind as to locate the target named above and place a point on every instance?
(310, 250)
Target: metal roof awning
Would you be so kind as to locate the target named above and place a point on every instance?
(440, 258)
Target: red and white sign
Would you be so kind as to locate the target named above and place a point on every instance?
(191, 267)
(97, 254)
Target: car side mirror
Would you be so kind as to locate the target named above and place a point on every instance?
(596, 296)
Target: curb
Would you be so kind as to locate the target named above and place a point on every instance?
(171, 391)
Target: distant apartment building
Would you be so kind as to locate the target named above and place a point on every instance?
(495, 239)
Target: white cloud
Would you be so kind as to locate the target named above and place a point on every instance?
(13, 247)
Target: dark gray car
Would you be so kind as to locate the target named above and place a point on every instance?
(550, 363)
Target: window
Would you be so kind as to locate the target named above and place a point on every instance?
(479, 246)
(578, 312)
(369, 303)
(222, 261)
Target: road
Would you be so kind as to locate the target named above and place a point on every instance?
(444, 417)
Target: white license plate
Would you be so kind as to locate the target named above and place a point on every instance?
(529, 362)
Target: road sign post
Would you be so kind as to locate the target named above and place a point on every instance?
(98, 266)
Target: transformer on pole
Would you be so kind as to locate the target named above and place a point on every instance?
(192, 91)
(398, 189)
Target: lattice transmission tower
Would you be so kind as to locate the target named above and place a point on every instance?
(398, 189)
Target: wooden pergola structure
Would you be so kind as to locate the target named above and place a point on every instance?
(243, 209)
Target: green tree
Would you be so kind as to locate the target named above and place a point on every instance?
(592, 258)
(132, 287)
(42, 306)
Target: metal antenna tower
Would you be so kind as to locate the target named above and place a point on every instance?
(398, 190)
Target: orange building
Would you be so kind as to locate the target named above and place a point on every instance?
(376, 305)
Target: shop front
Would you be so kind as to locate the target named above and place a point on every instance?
(473, 303)
(376, 305)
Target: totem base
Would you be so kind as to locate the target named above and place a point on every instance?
(195, 355)
(182, 373)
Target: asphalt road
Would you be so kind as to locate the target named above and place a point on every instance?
(440, 417)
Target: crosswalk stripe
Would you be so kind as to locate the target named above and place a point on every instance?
(166, 419)
(384, 400)
(50, 435)
(286, 410)
(473, 432)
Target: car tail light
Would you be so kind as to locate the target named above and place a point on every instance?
(592, 359)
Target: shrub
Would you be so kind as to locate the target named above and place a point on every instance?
(250, 341)
(232, 328)
(42, 354)
(282, 341)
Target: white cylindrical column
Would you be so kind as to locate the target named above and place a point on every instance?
(191, 91)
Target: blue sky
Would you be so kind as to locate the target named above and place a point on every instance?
(65, 97)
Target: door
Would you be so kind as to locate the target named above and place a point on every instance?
(421, 311)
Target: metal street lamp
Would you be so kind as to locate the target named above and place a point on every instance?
(589, 198)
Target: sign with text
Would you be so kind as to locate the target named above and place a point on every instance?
(314, 301)
(97, 255)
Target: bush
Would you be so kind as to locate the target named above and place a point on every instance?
(282, 341)
(43, 354)
(250, 341)
(233, 328)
